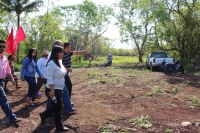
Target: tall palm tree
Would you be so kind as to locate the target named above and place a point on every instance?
(20, 6)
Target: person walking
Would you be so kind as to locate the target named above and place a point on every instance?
(7, 78)
(54, 88)
(41, 63)
(66, 99)
(29, 66)
(67, 64)
(5, 69)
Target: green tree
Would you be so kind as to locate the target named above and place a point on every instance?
(42, 32)
(133, 20)
(85, 23)
(18, 7)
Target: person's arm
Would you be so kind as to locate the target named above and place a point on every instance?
(38, 66)
(52, 92)
(24, 64)
(79, 52)
(68, 69)
(38, 71)
(49, 74)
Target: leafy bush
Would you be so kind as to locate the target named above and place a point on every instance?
(188, 67)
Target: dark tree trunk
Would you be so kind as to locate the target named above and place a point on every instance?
(140, 56)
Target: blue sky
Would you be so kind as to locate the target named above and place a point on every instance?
(112, 32)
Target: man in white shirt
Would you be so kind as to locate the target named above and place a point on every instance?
(41, 63)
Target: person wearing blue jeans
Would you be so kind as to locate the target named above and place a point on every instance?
(31, 85)
(5, 105)
(66, 101)
(28, 69)
(5, 70)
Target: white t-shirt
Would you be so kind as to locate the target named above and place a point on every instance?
(41, 63)
(55, 75)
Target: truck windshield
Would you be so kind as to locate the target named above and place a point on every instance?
(158, 55)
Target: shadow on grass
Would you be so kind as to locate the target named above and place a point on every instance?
(24, 112)
(138, 65)
(50, 125)
(178, 78)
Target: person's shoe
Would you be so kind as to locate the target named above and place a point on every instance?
(15, 120)
(72, 103)
(73, 110)
(62, 129)
(42, 119)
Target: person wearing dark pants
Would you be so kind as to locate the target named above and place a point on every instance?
(5, 70)
(67, 64)
(68, 84)
(54, 88)
(40, 82)
(55, 108)
(41, 63)
(66, 99)
(28, 69)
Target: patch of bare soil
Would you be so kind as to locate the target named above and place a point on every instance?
(116, 99)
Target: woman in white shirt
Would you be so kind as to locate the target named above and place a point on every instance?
(55, 74)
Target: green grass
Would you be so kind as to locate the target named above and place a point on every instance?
(169, 131)
(125, 60)
(175, 90)
(17, 67)
(142, 121)
(112, 128)
(194, 100)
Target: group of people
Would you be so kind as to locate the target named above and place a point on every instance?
(53, 69)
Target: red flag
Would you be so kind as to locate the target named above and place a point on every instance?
(20, 36)
(10, 42)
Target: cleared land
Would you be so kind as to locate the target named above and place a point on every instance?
(117, 99)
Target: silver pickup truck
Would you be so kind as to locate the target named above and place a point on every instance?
(156, 58)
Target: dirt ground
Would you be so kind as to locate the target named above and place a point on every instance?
(112, 99)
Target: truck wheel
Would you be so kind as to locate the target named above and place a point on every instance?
(152, 69)
(170, 71)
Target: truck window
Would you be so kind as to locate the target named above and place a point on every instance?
(159, 55)
(163, 55)
(152, 55)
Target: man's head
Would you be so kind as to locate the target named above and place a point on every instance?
(58, 43)
(67, 47)
(2, 46)
(45, 53)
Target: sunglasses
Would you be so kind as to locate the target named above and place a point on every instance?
(2, 46)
